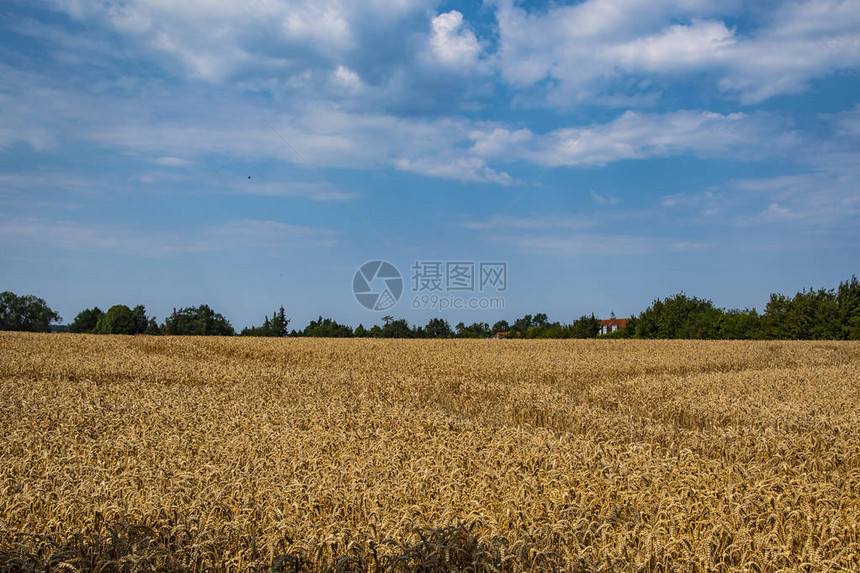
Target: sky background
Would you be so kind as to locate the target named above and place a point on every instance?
(610, 151)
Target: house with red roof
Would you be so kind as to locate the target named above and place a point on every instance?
(611, 325)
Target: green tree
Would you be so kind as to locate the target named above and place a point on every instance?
(521, 326)
(501, 326)
(848, 302)
(537, 326)
(584, 327)
(87, 321)
(438, 328)
(119, 319)
(327, 328)
(141, 322)
(545, 329)
(777, 319)
(810, 315)
(273, 327)
(280, 322)
(678, 316)
(152, 327)
(474, 330)
(361, 332)
(739, 325)
(396, 329)
(197, 321)
(817, 315)
(26, 313)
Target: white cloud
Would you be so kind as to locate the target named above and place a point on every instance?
(231, 235)
(567, 222)
(214, 39)
(193, 126)
(157, 177)
(172, 162)
(707, 204)
(586, 49)
(499, 141)
(586, 244)
(812, 199)
(639, 136)
(181, 128)
(470, 169)
(380, 54)
(848, 123)
(775, 212)
(27, 183)
(220, 40)
(268, 234)
(313, 191)
(329, 135)
(347, 79)
(609, 52)
(14, 127)
(678, 47)
(601, 200)
(566, 234)
(452, 43)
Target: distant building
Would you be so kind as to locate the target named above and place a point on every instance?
(610, 325)
(500, 335)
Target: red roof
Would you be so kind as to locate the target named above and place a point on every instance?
(619, 322)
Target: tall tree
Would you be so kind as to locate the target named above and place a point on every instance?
(198, 321)
(327, 328)
(26, 313)
(396, 329)
(474, 330)
(584, 327)
(678, 316)
(739, 325)
(274, 327)
(848, 301)
(279, 322)
(810, 315)
(87, 321)
(361, 332)
(119, 319)
(438, 328)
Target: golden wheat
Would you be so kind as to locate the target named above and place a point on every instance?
(302, 454)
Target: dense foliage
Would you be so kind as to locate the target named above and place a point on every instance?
(25, 313)
(823, 314)
(197, 320)
(326, 328)
(271, 327)
(87, 321)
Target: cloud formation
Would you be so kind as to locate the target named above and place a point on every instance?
(70, 235)
(579, 51)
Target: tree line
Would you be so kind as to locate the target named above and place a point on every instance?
(192, 321)
(823, 314)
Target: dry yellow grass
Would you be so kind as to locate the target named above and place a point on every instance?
(603, 455)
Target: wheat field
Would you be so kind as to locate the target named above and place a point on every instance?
(232, 454)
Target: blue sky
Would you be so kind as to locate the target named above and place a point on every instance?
(610, 151)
